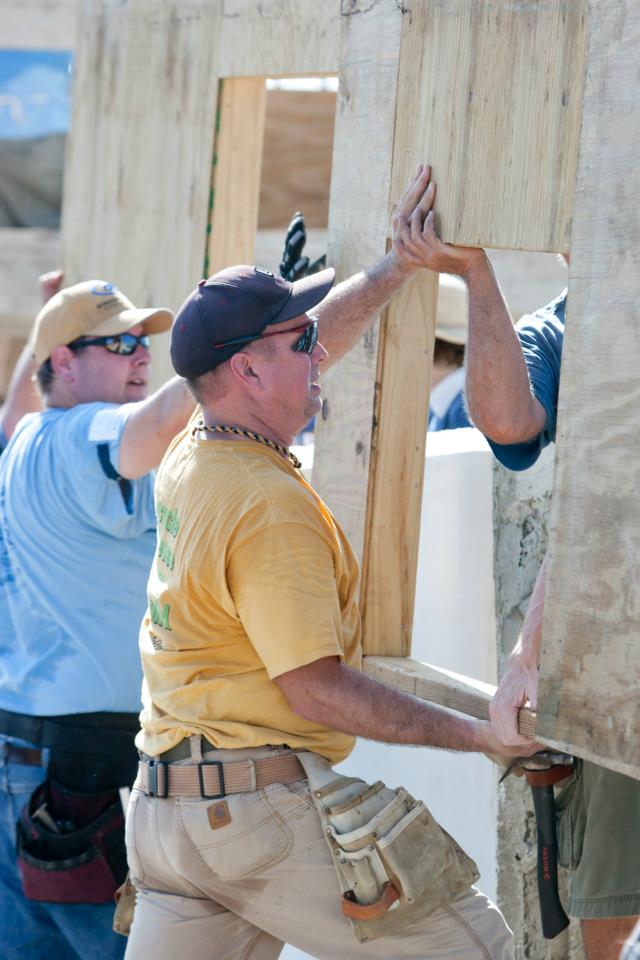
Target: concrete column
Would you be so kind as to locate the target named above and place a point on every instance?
(521, 504)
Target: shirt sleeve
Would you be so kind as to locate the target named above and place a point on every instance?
(91, 490)
(541, 337)
(284, 587)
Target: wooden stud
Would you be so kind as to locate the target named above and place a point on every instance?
(397, 469)
(359, 215)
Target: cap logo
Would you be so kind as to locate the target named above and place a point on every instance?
(104, 289)
(267, 273)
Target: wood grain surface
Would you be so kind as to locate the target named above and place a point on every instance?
(590, 665)
(489, 93)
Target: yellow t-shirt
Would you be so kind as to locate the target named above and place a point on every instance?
(252, 577)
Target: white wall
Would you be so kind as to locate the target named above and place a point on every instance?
(454, 627)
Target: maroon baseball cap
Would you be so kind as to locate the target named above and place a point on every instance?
(237, 302)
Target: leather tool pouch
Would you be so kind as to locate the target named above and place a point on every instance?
(83, 863)
(395, 863)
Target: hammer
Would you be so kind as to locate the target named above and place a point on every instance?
(542, 771)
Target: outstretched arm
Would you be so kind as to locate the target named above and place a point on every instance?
(350, 308)
(152, 426)
(329, 693)
(519, 684)
(498, 391)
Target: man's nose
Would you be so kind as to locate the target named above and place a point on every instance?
(319, 353)
(142, 354)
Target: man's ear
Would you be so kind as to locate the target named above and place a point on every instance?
(245, 367)
(62, 363)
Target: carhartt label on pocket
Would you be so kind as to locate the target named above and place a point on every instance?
(218, 814)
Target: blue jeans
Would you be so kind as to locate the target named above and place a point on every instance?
(42, 931)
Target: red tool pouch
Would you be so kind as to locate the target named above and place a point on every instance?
(84, 864)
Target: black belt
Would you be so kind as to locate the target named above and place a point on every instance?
(89, 751)
(85, 733)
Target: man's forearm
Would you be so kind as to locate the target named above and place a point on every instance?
(343, 699)
(498, 391)
(350, 308)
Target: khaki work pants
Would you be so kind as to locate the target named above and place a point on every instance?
(238, 881)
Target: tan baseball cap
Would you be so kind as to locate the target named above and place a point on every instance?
(452, 317)
(93, 307)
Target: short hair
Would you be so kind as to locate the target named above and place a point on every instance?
(208, 386)
(211, 385)
(45, 375)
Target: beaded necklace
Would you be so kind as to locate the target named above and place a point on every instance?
(250, 435)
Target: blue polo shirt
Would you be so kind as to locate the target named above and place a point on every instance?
(75, 552)
(541, 336)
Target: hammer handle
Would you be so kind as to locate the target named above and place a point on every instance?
(554, 919)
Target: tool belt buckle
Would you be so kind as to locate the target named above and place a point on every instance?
(211, 763)
(152, 789)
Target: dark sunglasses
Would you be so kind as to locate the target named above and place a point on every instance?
(304, 344)
(124, 344)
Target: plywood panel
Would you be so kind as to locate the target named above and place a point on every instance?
(39, 24)
(237, 167)
(489, 94)
(590, 672)
(280, 37)
(358, 230)
(298, 145)
(137, 176)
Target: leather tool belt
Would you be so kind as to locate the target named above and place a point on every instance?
(214, 779)
(70, 836)
(394, 862)
(78, 859)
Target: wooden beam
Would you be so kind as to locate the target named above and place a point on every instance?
(489, 93)
(590, 664)
(236, 172)
(279, 38)
(442, 687)
(396, 472)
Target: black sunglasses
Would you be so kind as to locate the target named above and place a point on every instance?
(304, 344)
(124, 344)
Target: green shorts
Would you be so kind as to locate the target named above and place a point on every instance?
(599, 842)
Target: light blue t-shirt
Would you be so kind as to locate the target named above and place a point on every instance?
(541, 337)
(74, 560)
